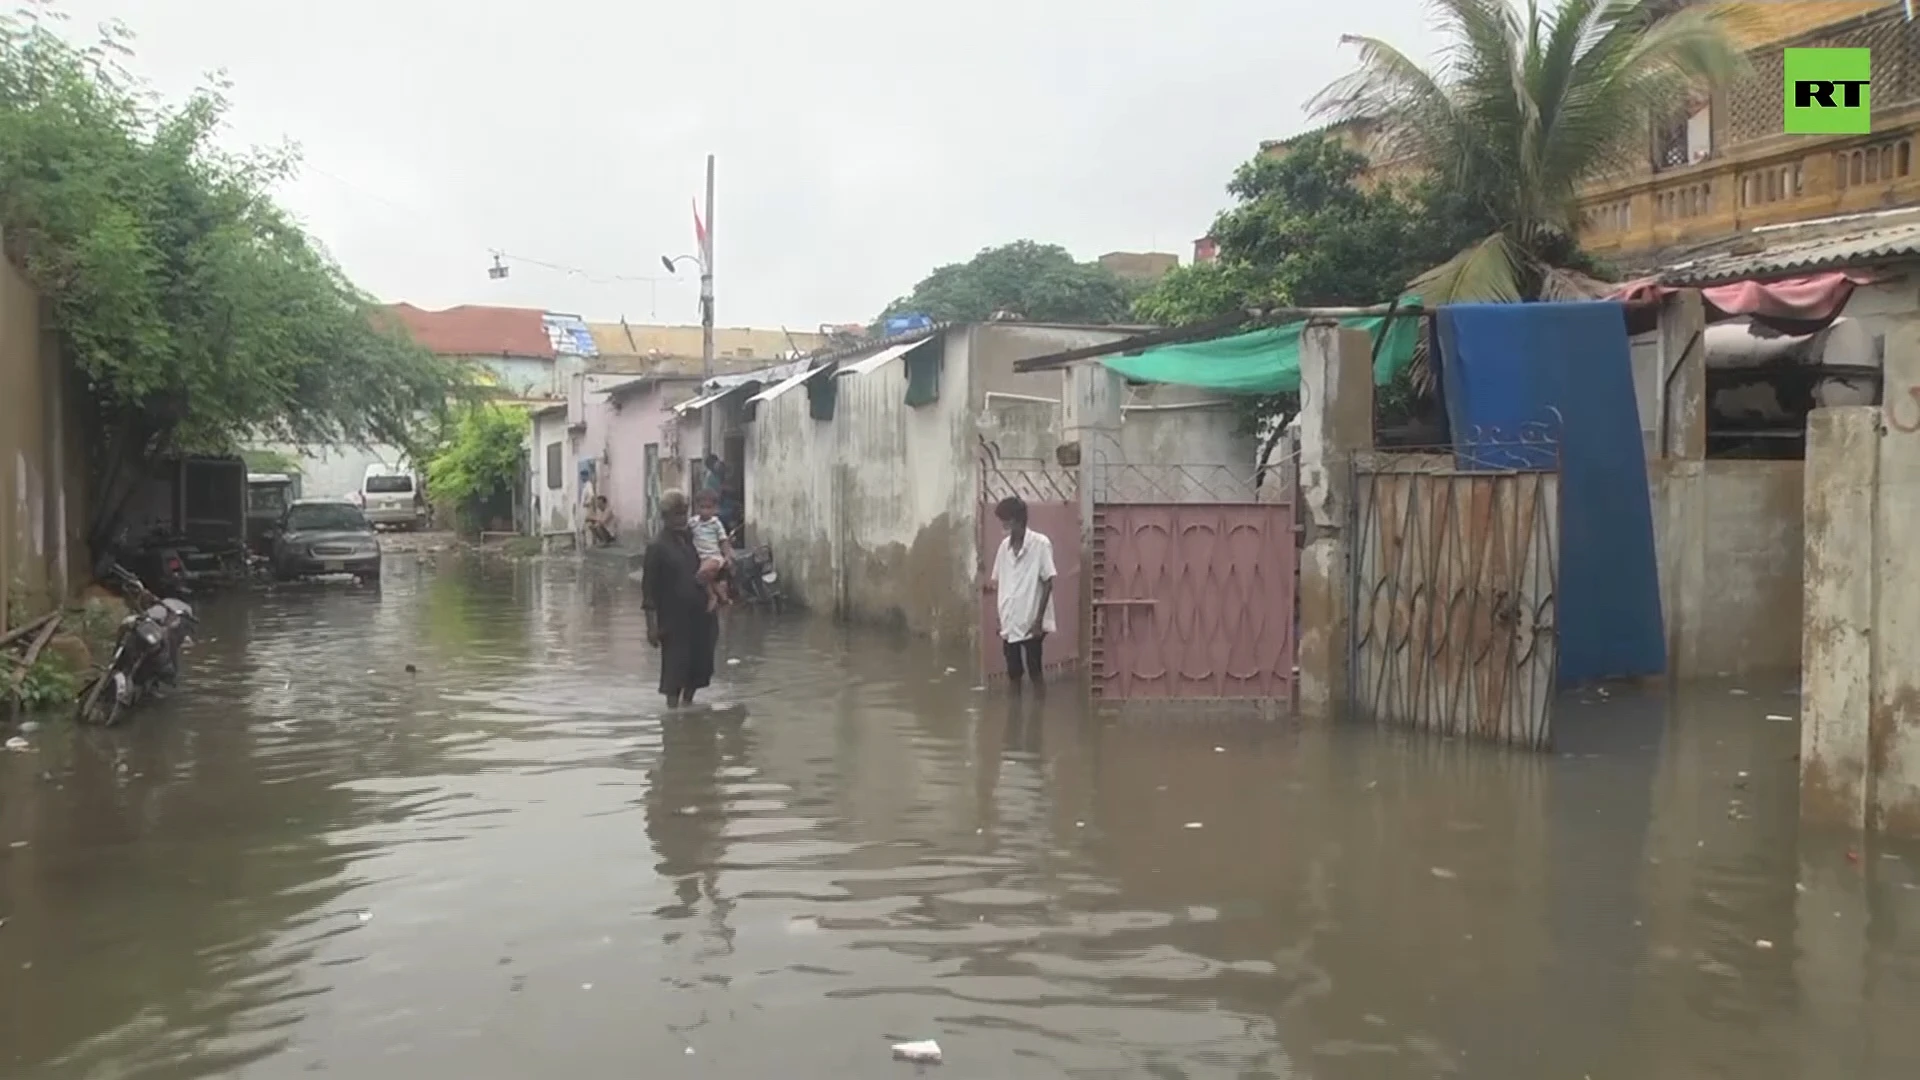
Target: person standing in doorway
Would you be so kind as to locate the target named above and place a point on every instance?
(678, 621)
(1023, 578)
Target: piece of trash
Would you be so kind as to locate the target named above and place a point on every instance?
(1737, 692)
(18, 744)
(1079, 824)
(1762, 943)
(586, 986)
(411, 670)
(1196, 825)
(17, 844)
(1444, 874)
(1219, 749)
(366, 916)
(1779, 718)
(951, 670)
(1742, 774)
(28, 727)
(689, 1051)
(733, 661)
(979, 689)
(923, 1051)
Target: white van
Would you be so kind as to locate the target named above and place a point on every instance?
(390, 497)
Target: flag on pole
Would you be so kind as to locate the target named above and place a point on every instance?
(700, 232)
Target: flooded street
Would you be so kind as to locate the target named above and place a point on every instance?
(506, 863)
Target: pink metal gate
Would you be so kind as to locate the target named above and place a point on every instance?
(1193, 601)
(1053, 509)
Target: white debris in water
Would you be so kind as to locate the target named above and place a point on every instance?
(733, 661)
(951, 670)
(28, 727)
(1780, 718)
(1762, 943)
(923, 1051)
(1737, 692)
(586, 986)
(366, 916)
(1444, 874)
(18, 745)
(1196, 825)
(1219, 749)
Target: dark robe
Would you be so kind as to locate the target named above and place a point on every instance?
(689, 633)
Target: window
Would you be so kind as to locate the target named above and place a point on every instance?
(389, 484)
(923, 375)
(554, 477)
(822, 392)
(326, 517)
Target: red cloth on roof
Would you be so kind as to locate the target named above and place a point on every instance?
(1798, 305)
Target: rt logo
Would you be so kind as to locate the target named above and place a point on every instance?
(1828, 92)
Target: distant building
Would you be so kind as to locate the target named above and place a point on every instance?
(1143, 267)
(1205, 250)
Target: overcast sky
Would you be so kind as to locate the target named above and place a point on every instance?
(859, 143)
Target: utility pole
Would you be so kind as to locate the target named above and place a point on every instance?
(706, 309)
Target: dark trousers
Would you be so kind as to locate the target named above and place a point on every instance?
(1023, 658)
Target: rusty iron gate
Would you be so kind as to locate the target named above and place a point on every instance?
(1193, 580)
(1454, 579)
(1052, 495)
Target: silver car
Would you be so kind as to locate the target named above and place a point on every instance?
(391, 500)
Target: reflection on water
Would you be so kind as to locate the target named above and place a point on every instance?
(507, 863)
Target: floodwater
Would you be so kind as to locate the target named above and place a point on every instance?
(508, 864)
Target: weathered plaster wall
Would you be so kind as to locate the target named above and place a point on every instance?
(1860, 702)
(553, 506)
(1729, 542)
(43, 507)
(793, 497)
(1185, 453)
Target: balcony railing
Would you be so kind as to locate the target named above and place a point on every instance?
(1756, 174)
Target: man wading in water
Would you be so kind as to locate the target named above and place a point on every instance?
(678, 622)
(1023, 576)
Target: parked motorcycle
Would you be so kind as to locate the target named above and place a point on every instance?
(758, 581)
(146, 653)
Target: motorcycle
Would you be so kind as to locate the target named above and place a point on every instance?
(146, 652)
(758, 581)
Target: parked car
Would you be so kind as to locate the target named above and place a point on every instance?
(325, 536)
(391, 498)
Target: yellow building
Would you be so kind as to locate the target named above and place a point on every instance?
(1724, 166)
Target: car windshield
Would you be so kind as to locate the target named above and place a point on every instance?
(389, 485)
(330, 516)
(267, 498)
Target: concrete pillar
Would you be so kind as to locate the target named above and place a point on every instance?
(1894, 724)
(1682, 386)
(1836, 695)
(1336, 421)
(1091, 399)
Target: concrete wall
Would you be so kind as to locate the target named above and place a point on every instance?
(1729, 542)
(1860, 698)
(618, 433)
(873, 514)
(520, 376)
(334, 472)
(43, 507)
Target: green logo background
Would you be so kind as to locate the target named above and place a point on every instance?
(1829, 64)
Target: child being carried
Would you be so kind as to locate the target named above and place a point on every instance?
(711, 544)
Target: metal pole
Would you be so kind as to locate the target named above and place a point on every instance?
(706, 309)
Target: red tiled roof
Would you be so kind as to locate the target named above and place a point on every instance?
(477, 330)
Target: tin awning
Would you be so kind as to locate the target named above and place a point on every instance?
(706, 399)
(883, 357)
(789, 383)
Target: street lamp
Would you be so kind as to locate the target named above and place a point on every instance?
(704, 260)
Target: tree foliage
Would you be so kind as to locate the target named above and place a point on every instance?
(1302, 232)
(1525, 107)
(1041, 282)
(480, 460)
(197, 311)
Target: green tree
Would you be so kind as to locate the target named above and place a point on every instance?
(1301, 232)
(484, 454)
(196, 311)
(1041, 282)
(1526, 107)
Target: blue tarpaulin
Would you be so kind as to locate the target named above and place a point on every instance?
(1507, 367)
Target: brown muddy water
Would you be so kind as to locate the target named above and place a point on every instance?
(510, 865)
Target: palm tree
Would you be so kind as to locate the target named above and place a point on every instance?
(1524, 107)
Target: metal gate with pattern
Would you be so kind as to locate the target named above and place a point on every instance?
(1454, 565)
(1193, 578)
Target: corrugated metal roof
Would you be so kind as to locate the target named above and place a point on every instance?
(882, 358)
(789, 383)
(1831, 252)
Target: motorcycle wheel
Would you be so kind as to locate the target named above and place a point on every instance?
(99, 705)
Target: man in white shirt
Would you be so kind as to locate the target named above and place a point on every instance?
(1023, 577)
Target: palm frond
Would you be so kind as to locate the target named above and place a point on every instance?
(1486, 272)
(1415, 116)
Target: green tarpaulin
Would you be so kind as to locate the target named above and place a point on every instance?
(1262, 361)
